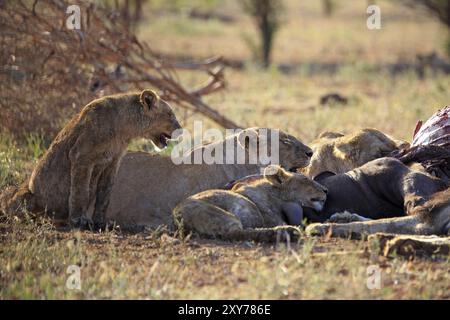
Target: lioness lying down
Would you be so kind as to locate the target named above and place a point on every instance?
(431, 218)
(148, 187)
(253, 211)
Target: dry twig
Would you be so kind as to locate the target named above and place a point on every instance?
(49, 71)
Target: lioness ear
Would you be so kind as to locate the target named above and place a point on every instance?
(248, 137)
(276, 175)
(148, 99)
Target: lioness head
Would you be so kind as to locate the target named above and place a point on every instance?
(292, 153)
(159, 120)
(296, 187)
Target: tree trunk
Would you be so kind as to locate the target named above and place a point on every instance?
(137, 10)
(448, 14)
(266, 37)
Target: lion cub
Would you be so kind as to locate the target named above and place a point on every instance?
(339, 153)
(78, 170)
(250, 211)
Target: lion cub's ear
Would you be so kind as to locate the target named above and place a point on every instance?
(149, 98)
(276, 175)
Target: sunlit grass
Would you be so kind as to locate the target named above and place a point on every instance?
(35, 260)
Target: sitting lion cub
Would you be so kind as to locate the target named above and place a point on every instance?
(79, 168)
(251, 211)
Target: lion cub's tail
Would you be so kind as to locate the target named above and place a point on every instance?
(275, 234)
(13, 200)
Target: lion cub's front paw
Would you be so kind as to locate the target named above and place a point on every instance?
(101, 224)
(82, 223)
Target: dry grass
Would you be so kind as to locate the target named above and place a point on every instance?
(156, 266)
(34, 257)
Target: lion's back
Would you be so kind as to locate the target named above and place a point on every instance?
(148, 187)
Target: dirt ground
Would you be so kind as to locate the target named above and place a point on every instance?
(36, 262)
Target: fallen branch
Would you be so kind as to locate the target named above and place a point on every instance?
(411, 245)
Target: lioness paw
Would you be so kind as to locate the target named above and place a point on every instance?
(346, 217)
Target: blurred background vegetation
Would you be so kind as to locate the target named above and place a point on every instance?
(268, 15)
(282, 62)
